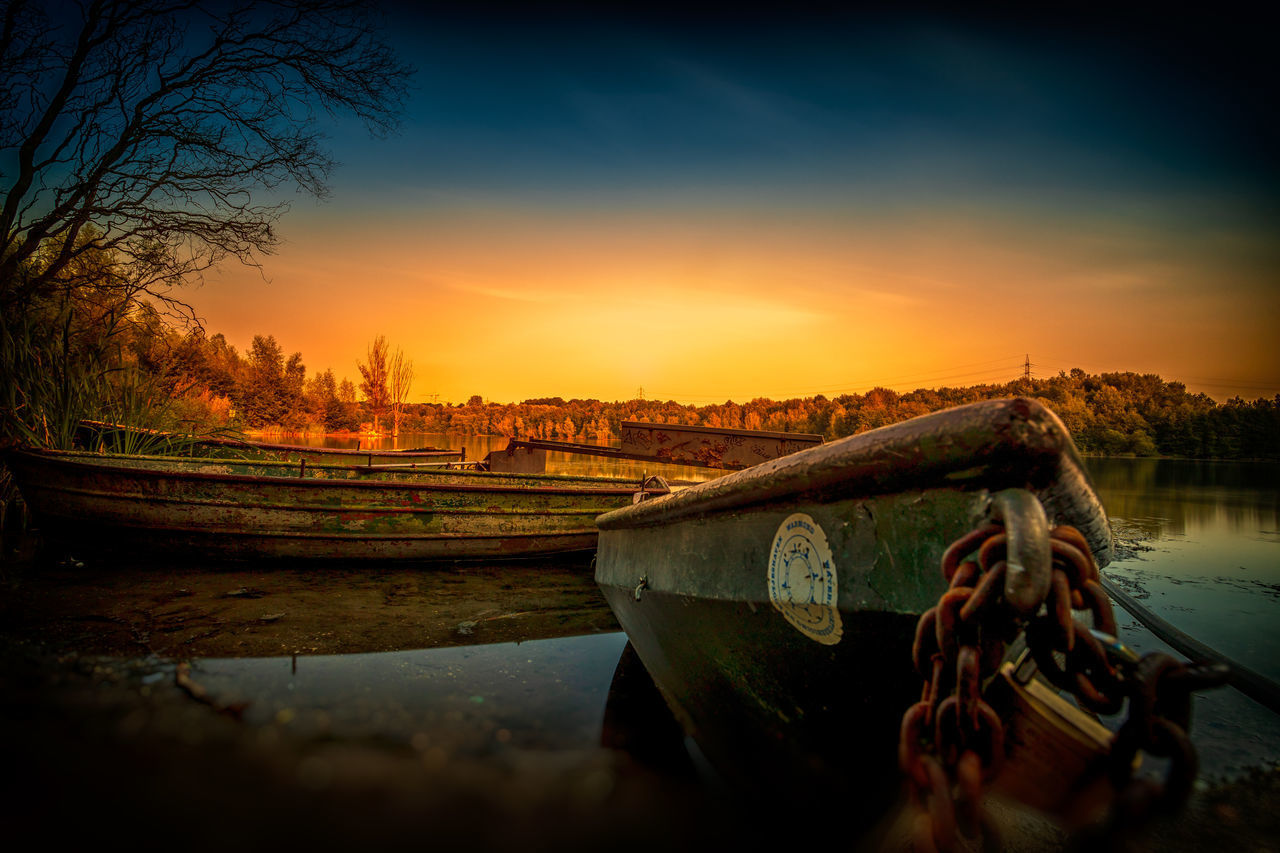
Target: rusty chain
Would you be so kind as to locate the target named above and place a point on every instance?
(951, 743)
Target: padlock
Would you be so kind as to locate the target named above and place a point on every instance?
(1057, 756)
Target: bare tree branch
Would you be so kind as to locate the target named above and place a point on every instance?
(172, 127)
(399, 380)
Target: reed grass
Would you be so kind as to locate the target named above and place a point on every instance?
(63, 387)
(46, 392)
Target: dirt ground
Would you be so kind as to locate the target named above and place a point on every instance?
(181, 612)
(94, 748)
(94, 751)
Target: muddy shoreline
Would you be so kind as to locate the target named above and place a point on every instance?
(93, 730)
(237, 610)
(98, 746)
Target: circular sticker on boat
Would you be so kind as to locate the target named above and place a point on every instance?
(802, 579)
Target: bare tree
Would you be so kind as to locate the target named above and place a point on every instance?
(374, 376)
(398, 384)
(165, 132)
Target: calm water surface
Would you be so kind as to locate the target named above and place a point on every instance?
(469, 701)
(1199, 544)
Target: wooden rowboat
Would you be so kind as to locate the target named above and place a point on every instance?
(775, 607)
(239, 508)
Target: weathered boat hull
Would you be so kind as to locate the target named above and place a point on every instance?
(97, 435)
(339, 455)
(808, 690)
(295, 511)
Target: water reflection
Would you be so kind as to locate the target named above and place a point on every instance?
(1199, 543)
(472, 701)
(1175, 497)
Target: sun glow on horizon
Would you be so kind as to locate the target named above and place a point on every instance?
(515, 306)
(892, 202)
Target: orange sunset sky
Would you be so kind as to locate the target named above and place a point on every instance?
(785, 204)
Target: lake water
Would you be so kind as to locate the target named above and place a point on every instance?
(1199, 545)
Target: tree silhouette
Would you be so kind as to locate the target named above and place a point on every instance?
(164, 133)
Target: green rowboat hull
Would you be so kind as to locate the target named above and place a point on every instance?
(775, 607)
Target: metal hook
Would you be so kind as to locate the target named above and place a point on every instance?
(1030, 555)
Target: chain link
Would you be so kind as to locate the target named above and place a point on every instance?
(952, 741)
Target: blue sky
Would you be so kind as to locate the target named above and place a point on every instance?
(853, 178)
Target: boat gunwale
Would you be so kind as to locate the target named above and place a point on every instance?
(361, 509)
(541, 483)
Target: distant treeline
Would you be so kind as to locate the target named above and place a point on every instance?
(1108, 413)
(148, 373)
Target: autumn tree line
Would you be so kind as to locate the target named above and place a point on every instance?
(94, 353)
(264, 389)
(202, 382)
(1107, 414)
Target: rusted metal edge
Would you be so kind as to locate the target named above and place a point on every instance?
(597, 450)
(991, 444)
(691, 460)
(406, 466)
(745, 433)
(569, 447)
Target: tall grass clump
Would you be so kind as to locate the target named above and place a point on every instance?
(47, 390)
(86, 365)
